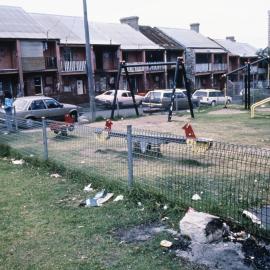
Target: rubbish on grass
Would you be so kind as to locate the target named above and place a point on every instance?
(55, 175)
(100, 198)
(253, 217)
(196, 197)
(164, 219)
(88, 188)
(18, 162)
(165, 243)
(105, 199)
(100, 194)
(82, 162)
(139, 204)
(165, 207)
(119, 198)
(201, 227)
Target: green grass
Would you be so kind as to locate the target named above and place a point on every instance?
(42, 226)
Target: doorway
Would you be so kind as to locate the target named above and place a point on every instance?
(38, 85)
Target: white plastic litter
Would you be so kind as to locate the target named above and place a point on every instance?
(196, 197)
(253, 218)
(166, 243)
(18, 162)
(119, 198)
(88, 188)
(165, 207)
(55, 175)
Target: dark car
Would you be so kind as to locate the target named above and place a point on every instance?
(162, 99)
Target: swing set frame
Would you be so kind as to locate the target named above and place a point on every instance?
(179, 70)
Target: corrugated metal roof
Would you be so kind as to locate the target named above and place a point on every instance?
(189, 38)
(237, 48)
(16, 23)
(158, 37)
(70, 30)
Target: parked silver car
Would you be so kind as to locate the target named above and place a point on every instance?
(162, 99)
(35, 107)
(124, 98)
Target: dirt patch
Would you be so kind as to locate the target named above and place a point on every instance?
(143, 232)
(226, 112)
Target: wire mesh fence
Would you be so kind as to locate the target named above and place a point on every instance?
(214, 177)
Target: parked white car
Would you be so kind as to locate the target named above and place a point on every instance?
(211, 97)
(124, 98)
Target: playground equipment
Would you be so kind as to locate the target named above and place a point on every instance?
(258, 104)
(63, 128)
(179, 68)
(144, 143)
(247, 78)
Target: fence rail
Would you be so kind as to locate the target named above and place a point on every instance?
(228, 179)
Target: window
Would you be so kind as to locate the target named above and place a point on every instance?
(220, 94)
(67, 54)
(167, 95)
(37, 105)
(212, 94)
(200, 94)
(52, 104)
(180, 95)
(109, 93)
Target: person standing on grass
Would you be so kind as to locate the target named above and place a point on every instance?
(8, 106)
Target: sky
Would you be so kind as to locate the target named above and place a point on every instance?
(246, 20)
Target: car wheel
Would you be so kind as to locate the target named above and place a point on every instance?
(30, 122)
(228, 102)
(213, 103)
(74, 115)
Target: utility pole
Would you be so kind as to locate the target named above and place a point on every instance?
(89, 68)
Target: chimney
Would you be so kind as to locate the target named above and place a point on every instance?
(268, 28)
(132, 21)
(231, 38)
(195, 27)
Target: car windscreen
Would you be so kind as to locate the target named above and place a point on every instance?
(52, 104)
(155, 95)
(20, 104)
(200, 94)
(108, 93)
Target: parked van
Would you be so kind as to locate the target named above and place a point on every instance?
(211, 97)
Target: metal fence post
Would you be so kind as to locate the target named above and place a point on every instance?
(45, 139)
(15, 119)
(130, 156)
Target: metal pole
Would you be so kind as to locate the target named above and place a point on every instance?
(187, 85)
(248, 84)
(118, 108)
(225, 90)
(246, 92)
(15, 119)
(130, 156)
(176, 73)
(89, 69)
(131, 90)
(45, 139)
(116, 88)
